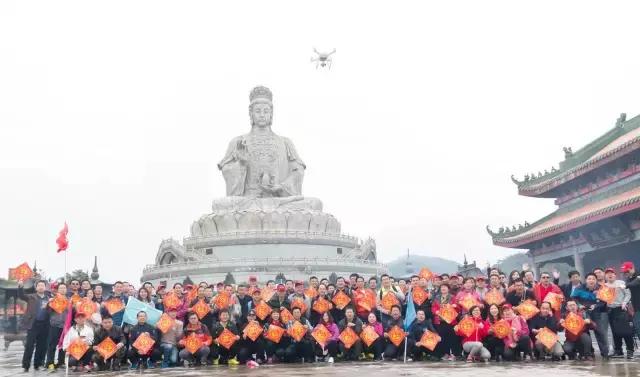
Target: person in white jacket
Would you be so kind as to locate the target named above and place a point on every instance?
(85, 332)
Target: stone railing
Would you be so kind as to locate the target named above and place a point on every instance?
(266, 262)
(271, 236)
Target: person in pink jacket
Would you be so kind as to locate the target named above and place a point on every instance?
(472, 343)
(331, 348)
(518, 340)
(468, 289)
(375, 350)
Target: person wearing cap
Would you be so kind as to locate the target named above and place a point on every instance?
(518, 341)
(280, 301)
(298, 294)
(169, 341)
(481, 287)
(618, 313)
(586, 296)
(247, 347)
(108, 330)
(79, 330)
(303, 349)
(454, 284)
(633, 283)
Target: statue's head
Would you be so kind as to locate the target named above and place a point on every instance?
(261, 107)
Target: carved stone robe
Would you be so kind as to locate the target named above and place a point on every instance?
(261, 158)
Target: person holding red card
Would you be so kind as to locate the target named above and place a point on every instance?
(221, 353)
(275, 348)
(330, 349)
(247, 346)
(80, 330)
(472, 341)
(109, 330)
(56, 329)
(198, 329)
(303, 348)
(416, 331)
(140, 357)
(36, 321)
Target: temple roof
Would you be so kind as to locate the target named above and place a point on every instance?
(563, 220)
(621, 140)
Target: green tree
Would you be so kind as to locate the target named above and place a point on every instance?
(229, 279)
(280, 279)
(76, 274)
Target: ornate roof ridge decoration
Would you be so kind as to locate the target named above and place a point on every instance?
(581, 161)
(511, 239)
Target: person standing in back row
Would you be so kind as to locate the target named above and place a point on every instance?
(36, 322)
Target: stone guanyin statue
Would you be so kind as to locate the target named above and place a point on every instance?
(262, 169)
(263, 174)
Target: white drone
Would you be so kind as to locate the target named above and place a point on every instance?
(323, 59)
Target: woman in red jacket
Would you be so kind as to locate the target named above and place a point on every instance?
(472, 344)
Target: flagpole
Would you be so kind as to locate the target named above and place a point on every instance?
(405, 349)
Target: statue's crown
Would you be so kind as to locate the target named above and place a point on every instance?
(260, 92)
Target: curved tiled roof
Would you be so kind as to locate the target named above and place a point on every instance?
(621, 140)
(562, 222)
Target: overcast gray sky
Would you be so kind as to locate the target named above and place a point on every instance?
(114, 114)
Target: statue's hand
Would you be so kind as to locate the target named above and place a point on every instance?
(242, 154)
(274, 190)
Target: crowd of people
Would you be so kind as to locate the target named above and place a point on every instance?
(426, 317)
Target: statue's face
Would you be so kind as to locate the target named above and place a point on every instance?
(261, 114)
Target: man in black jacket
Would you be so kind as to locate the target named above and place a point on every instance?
(545, 319)
(633, 284)
(109, 330)
(135, 356)
(416, 331)
(36, 322)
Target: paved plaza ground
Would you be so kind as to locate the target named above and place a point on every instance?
(10, 366)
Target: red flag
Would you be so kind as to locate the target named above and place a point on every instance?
(62, 240)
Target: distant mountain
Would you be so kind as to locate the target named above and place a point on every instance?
(398, 267)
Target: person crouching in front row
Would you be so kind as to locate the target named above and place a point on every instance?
(80, 330)
(472, 344)
(135, 357)
(350, 320)
(416, 331)
(541, 320)
(222, 355)
(109, 330)
(302, 349)
(194, 326)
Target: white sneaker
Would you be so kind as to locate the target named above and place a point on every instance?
(330, 361)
